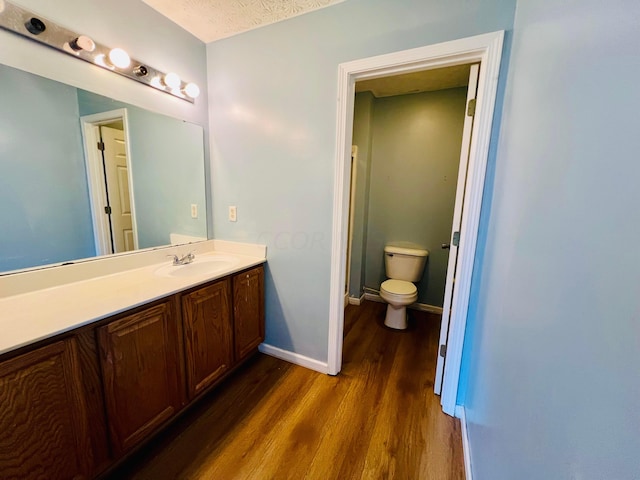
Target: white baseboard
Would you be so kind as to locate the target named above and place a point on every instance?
(356, 300)
(374, 297)
(294, 358)
(423, 307)
(460, 413)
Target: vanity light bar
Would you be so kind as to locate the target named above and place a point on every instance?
(34, 27)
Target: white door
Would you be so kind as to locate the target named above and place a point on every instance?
(455, 229)
(116, 171)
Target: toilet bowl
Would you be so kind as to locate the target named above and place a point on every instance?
(403, 267)
(398, 294)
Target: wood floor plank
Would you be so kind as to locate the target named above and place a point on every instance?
(385, 445)
(189, 445)
(343, 452)
(247, 442)
(260, 447)
(378, 419)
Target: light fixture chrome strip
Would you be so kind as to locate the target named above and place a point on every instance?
(34, 27)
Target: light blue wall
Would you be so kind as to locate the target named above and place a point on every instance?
(164, 195)
(167, 166)
(45, 214)
(273, 134)
(362, 117)
(414, 172)
(554, 378)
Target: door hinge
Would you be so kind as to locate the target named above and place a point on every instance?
(101, 146)
(456, 239)
(471, 107)
(107, 210)
(443, 351)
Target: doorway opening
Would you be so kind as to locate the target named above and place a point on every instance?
(108, 160)
(416, 130)
(484, 50)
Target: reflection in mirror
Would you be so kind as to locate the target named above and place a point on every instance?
(50, 213)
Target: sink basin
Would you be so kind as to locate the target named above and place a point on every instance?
(201, 266)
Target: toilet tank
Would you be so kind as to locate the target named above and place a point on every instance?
(404, 263)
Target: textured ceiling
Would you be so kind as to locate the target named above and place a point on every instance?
(415, 82)
(211, 20)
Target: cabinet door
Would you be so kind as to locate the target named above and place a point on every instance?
(43, 420)
(208, 335)
(139, 358)
(248, 311)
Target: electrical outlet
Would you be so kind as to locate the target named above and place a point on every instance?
(233, 214)
(194, 210)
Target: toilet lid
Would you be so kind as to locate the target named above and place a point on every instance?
(399, 287)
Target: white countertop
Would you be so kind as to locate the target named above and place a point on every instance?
(32, 316)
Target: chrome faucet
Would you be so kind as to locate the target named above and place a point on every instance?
(184, 260)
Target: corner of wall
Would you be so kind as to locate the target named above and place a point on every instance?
(295, 358)
(466, 446)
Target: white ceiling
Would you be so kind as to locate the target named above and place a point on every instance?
(211, 20)
(415, 82)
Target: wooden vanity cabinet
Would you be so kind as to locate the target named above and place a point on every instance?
(141, 367)
(208, 335)
(248, 311)
(43, 416)
(140, 359)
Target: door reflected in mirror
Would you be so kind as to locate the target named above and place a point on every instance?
(64, 198)
(107, 153)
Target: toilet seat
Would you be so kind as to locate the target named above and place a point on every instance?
(398, 287)
(399, 292)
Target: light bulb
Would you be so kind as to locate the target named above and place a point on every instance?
(192, 90)
(119, 58)
(172, 80)
(82, 43)
(156, 82)
(101, 60)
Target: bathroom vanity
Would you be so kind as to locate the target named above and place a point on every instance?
(113, 359)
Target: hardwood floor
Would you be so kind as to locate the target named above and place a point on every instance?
(378, 419)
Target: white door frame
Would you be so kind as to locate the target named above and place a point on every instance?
(95, 175)
(486, 49)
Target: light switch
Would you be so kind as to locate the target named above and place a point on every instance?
(233, 214)
(194, 210)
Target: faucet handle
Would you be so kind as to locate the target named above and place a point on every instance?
(188, 258)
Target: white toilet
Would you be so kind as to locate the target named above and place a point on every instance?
(403, 266)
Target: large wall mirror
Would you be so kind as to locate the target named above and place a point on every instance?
(85, 175)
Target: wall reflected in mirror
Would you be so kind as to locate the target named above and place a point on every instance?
(50, 213)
